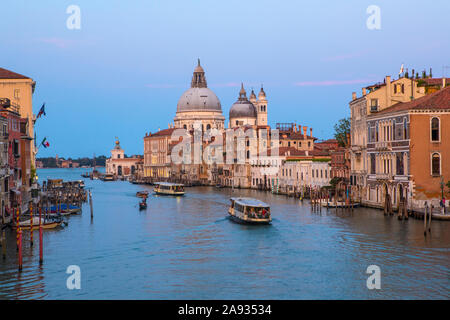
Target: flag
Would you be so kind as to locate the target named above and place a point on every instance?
(45, 143)
(41, 111)
(401, 69)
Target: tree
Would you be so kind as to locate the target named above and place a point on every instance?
(341, 130)
(448, 186)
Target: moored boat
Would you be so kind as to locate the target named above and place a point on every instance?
(338, 204)
(107, 177)
(46, 224)
(62, 208)
(249, 210)
(167, 188)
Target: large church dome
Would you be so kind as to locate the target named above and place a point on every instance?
(199, 97)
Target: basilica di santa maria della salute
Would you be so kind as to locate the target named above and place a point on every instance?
(199, 105)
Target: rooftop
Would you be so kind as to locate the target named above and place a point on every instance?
(439, 100)
(251, 202)
(7, 74)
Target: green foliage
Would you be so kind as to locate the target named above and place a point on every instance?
(341, 129)
(335, 181)
(51, 162)
(448, 186)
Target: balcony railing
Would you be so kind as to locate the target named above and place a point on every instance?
(384, 176)
(383, 146)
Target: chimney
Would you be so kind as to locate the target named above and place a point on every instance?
(295, 127)
(300, 129)
(388, 91)
(310, 132)
(304, 131)
(431, 73)
(443, 82)
(364, 91)
(353, 95)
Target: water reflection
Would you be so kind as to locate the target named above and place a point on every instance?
(186, 247)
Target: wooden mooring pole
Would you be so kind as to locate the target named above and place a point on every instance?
(429, 218)
(19, 232)
(41, 245)
(90, 203)
(425, 219)
(31, 224)
(4, 245)
(17, 226)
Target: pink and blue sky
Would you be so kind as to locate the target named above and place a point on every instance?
(123, 72)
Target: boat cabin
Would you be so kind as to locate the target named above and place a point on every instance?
(250, 210)
(169, 188)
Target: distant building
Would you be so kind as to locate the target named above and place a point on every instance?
(119, 165)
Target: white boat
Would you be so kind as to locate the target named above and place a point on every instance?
(249, 210)
(338, 204)
(167, 188)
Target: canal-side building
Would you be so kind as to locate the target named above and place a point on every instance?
(409, 151)
(374, 99)
(12, 114)
(19, 89)
(120, 165)
(4, 168)
(291, 170)
(157, 160)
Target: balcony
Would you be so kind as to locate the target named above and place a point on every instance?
(356, 149)
(384, 176)
(383, 146)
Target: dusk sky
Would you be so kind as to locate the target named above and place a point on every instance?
(123, 72)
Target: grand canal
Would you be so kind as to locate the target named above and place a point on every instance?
(186, 248)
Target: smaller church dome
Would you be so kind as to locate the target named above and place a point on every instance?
(243, 108)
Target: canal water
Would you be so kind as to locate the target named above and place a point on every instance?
(186, 248)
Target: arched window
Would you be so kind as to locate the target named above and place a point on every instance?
(405, 129)
(208, 126)
(435, 129)
(185, 127)
(436, 164)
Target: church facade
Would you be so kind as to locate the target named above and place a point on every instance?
(120, 165)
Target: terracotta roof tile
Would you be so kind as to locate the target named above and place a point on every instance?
(439, 100)
(7, 74)
(164, 132)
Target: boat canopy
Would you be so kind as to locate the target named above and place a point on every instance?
(250, 202)
(169, 184)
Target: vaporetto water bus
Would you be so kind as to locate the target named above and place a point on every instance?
(249, 210)
(167, 188)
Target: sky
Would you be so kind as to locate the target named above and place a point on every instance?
(122, 73)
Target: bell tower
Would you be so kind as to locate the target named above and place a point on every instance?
(261, 108)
